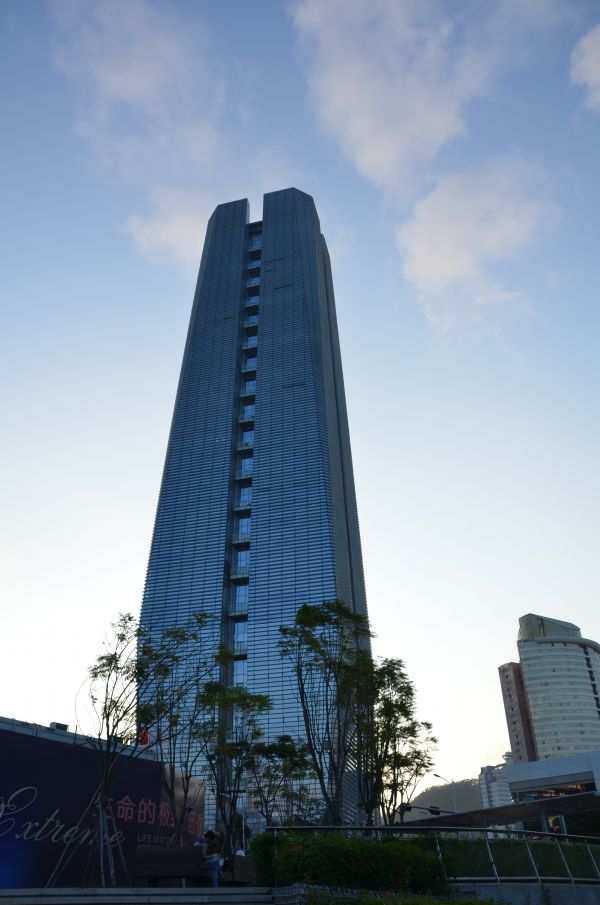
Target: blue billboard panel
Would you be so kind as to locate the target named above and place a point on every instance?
(48, 811)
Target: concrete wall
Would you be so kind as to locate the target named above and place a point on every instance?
(528, 893)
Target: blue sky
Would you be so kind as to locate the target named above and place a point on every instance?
(452, 150)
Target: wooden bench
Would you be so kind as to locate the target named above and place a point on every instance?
(157, 863)
(161, 863)
(242, 871)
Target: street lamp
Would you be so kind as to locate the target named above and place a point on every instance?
(450, 782)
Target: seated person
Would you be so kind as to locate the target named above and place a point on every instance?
(211, 844)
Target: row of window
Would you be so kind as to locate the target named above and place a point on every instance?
(242, 523)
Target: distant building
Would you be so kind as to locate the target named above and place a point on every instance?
(493, 786)
(516, 709)
(554, 777)
(551, 697)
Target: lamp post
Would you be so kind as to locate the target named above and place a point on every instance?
(450, 782)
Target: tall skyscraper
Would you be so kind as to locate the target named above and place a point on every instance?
(551, 697)
(257, 510)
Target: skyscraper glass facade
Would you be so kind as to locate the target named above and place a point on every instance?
(257, 510)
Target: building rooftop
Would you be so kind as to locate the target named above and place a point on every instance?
(532, 626)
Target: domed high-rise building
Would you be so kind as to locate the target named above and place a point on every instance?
(551, 697)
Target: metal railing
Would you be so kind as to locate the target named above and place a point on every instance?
(492, 855)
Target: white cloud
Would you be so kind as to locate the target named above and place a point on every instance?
(173, 224)
(484, 214)
(149, 95)
(392, 83)
(585, 67)
(174, 229)
(149, 98)
(150, 89)
(476, 305)
(388, 81)
(392, 80)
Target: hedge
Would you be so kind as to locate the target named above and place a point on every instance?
(328, 859)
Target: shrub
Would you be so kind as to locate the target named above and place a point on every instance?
(352, 862)
(263, 848)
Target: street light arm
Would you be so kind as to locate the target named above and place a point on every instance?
(452, 785)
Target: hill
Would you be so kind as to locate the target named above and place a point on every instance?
(468, 798)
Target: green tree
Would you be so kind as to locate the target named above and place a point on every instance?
(124, 684)
(300, 805)
(275, 771)
(178, 698)
(392, 749)
(323, 646)
(227, 734)
(409, 759)
(384, 718)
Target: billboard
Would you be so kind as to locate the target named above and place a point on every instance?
(48, 810)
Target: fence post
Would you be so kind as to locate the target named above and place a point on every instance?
(532, 859)
(596, 868)
(562, 855)
(490, 855)
(439, 854)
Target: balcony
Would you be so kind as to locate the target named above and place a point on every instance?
(242, 536)
(248, 388)
(239, 571)
(242, 508)
(252, 281)
(239, 608)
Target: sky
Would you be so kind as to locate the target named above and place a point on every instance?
(452, 149)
